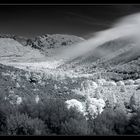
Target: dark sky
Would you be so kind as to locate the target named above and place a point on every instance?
(30, 21)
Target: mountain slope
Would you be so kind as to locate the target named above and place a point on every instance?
(111, 53)
(38, 53)
(52, 44)
(13, 51)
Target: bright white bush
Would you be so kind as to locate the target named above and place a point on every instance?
(92, 110)
(42, 83)
(5, 74)
(19, 100)
(14, 99)
(27, 75)
(101, 82)
(110, 83)
(73, 103)
(95, 106)
(35, 89)
(91, 106)
(36, 77)
(135, 102)
(88, 84)
(120, 83)
(129, 82)
(65, 87)
(79, 92)
(114, 99)
(122, 89)
(96, 102)
(137, 81)
(11, 92)
(55, 87)
(17, 85)
(37, 99)
(88, 87)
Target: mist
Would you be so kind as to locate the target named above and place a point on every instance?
(126, 27)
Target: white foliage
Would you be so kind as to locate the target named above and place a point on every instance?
(92, 110)
(95, 106)
(66, 88)
(129, 82)
(36, 77)
(37, 99)
(5, 74)
(73, 103)
(41, 83)
(91, 106)
(27, 75)
(96, 102)
(89, 84)
(88, 87)
(11, 92)
(101, 82)
(55, 87)
(137, 81)
(120, 83)
(36, 89)
(110, 83)
(97, 94)
(135, 101)
(78, 92)
(19, 100)
(122, 89)
(17, 85)
(14, 99)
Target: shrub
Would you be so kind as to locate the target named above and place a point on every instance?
(110, 122)
(22, 124)
(75, 127)
(94, 106)
(133, 127)
(89, 84)
(54, 113)
(110, 83)
(122, 89)
(120, 83)
(137, 81)
(73, 103)
(56, 116)
(134, 102)
(101, 82)
(129, 82)
(2, 121)
(31, 108)
(64, 43)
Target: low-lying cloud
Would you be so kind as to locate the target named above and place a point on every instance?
(126, 27)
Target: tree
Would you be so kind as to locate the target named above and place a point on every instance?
(2, 121)
(75, 127)
(133, 127)
(22, 124)
(110, 122)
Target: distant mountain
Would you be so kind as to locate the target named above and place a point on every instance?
(50, 44)
(108, 58)
(119, 57)
(103, 53)
(16, 48)
(13, 51)
(20, 39)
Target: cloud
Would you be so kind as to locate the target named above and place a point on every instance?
(127, 27)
